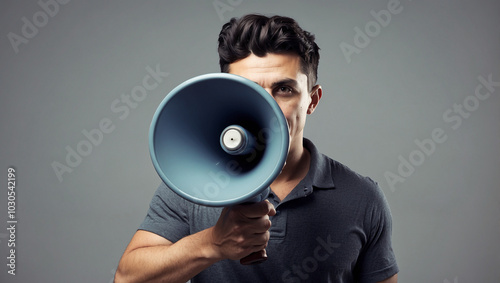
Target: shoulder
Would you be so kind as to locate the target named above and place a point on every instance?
(362, 195)
(342, 181)
(346, 181)
(364, 187)
(344, 176)
(165, 197)
(326, 172)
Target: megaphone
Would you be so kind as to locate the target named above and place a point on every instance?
(219, 140)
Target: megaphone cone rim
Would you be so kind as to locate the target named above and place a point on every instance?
(283, 128)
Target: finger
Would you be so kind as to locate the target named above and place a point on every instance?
(262, 239)
(256, 210)
(257, 240)
(259, 249)
(272, 212)
(258, 225)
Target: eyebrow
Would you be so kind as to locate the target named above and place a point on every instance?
(287, 81)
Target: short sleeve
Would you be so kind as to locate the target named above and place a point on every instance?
(167, 215)
(377, 260)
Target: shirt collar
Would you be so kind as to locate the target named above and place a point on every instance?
(320, 171)
(319, 175)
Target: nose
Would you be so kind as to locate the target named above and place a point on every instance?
(269, 91)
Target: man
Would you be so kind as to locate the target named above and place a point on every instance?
(329, 224)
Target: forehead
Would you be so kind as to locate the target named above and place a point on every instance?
(269, 69)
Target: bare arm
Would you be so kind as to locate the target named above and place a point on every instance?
(239, 231)
(152, 258)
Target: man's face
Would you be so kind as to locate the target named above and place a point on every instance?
(280, 75)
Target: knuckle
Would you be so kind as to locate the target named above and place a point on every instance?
(267, 236)
(237, 230)
(265, 227)
(268, 206)
(240, 241)
(267, 224)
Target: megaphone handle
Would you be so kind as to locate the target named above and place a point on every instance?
(254, 258)
(260, 256)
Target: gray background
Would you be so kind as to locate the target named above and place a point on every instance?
(66, 77)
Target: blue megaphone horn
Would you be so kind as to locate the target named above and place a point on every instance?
(219, 140)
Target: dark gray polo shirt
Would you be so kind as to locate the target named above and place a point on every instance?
(335, 226)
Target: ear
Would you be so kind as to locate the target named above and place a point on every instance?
(315, 95)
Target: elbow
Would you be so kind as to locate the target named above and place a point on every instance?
(121, 277)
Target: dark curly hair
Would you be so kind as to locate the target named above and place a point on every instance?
(260, 35)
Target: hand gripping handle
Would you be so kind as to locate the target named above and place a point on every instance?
(260, 256)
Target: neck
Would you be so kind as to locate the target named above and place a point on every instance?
(295, 169)
(294, 161)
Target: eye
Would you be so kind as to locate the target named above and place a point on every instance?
(284, 90)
